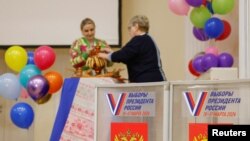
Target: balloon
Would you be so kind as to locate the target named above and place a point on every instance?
(200, 34)
(22, 115)
(30, 58)
(222, 6)
(226, 32)
(55, 81)
(212, 50)
(179, 7)
(225, 60)
(199, 16)
(209, 7)
(191, 69)
(24, 94)
(214, 27)
(27, 72)
(209, 61)
(9, 86)
(16, 58)
(197, 64)
(37, 87)
(204, 2)
(44, 57)
(44, 99)
(195, 3)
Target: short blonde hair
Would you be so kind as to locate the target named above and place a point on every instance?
(142, 21)
(86, 21)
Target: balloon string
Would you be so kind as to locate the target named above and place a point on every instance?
(212, 42)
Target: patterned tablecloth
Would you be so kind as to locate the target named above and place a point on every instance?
(75, 117)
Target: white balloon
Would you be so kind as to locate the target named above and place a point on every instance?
(10, 86)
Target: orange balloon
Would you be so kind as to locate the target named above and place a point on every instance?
(55, 80)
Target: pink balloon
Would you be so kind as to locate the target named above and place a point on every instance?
(44, 57)
(24, 94)
(213, 50)
(179, 7)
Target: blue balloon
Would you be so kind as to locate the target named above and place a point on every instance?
(214, 27)
(22, 115)
(30, 58)
(209, 7)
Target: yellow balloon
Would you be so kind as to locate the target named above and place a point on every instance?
(16, 58)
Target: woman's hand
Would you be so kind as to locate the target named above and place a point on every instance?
(106, 50)
(103, 55)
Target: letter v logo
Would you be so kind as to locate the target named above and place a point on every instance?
(116, 107)
(195, 107)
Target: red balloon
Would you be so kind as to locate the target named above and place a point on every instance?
(226, 32)
(204, 2)
(44, 57)
(192, 70)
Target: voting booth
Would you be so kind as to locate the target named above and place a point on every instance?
(95, 109)
(196, 104)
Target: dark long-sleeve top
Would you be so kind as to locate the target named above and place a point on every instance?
(142, 58)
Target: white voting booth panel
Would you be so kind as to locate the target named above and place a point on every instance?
(131, 111)
(195, 104)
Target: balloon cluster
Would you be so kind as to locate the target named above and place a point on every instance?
(204, 61)
(30, 81)
(206, 26)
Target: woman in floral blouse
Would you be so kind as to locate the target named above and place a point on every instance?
(86, 46)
